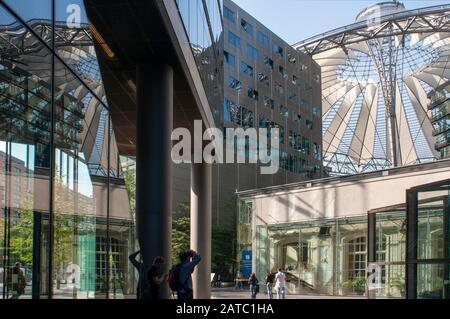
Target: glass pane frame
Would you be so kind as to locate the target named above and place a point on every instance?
(416, 202)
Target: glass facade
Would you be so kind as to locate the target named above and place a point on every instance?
(325, 257)
(405, 246)
(202, 20)
(66, 228)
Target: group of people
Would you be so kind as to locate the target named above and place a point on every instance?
(272, 280)
(179, 277)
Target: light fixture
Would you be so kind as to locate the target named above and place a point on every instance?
(101, 41)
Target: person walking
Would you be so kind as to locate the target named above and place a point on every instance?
(270, 277)
(253, 283)
(188, 259)
(238, 281)
(280, 284)
(143, 288)
(155, 281)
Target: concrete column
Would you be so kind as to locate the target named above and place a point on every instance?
(201, 227)
(154, 84)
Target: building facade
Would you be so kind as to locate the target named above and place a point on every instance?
(261, 82)
(64, 215)
(440, 117)
(326, 233)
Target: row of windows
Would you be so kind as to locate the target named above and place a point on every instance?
(298, 166)
(253, 53)
(269, 102)
(237, 114)
(303, 145)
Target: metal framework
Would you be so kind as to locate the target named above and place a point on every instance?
(21, 48)
(376, 75)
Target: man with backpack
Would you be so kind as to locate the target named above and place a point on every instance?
(180, 279)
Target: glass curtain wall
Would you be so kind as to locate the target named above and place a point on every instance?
(65, 224)
(202, 20)
(389, 251)
(320, 257)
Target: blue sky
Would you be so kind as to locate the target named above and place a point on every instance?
(295, 20)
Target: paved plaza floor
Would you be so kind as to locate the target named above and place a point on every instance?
(230, 293)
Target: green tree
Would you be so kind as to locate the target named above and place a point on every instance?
(222, 247)
(130, 184)
(180, 231)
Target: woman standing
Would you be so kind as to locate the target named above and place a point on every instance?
(253, 283)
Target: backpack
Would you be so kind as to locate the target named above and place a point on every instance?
(175, 283)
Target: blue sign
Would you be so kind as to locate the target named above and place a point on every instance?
(246, 263)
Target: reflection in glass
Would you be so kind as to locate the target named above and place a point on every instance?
(91, 239)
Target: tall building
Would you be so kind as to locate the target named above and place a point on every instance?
(440, 118)
(266, 84)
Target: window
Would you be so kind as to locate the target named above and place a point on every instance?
(252, 52)
(294, 80)
(229, 58)
(247, 27)
(283, 71)
(357, 258)
(291, 58)
(247, 69)
(278, 88)
(234, 83)
(316, 78)
(229, 15)
(263, 78)
(253, 94)
(233, 39)
(309, 124)
(317, 152)
(293, 98)
(284, 111)
(308, 87)
(315, 111)
(269, 102)
(277, 49)
(268, 62)
(230, 110)
(263, 39)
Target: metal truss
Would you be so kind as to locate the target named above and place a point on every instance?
(76, 72)
(376, 78)
(427, 20)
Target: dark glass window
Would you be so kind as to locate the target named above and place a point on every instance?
(263, 79)
(269, 102)
(268, 62)
(234, 83)
(247, 27)
(234, 39)
(229, 14)
(277, 49)
(253, 94)
(229, 58)
(283, 71)
(247, 69)
(263, 39)
(252, 52)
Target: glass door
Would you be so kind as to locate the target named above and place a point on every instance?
(428, 255)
